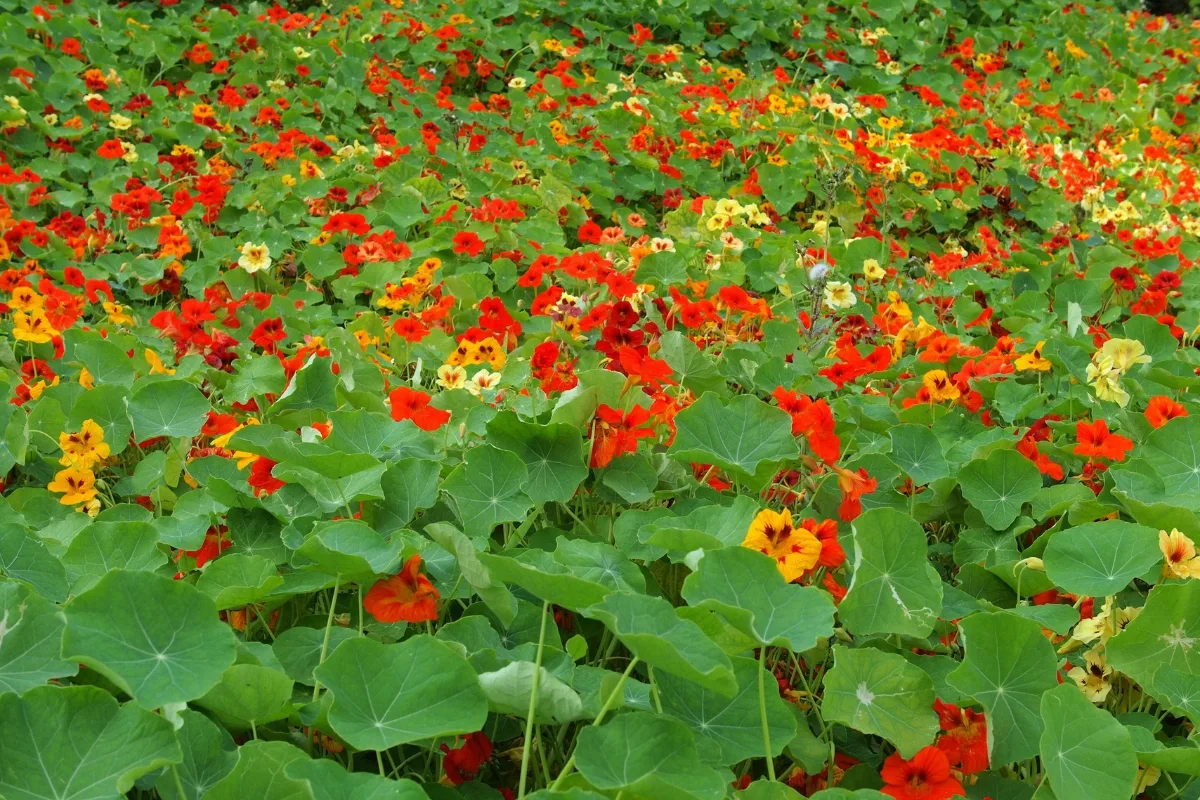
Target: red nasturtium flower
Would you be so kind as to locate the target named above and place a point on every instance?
(964, 740)
(853, 485)
(926, 776)
(813, 420)
(464, 762)
(413, 404)
(615, 434)
(466, 242)
(407, 596)
(1096, 442)
(261, 479)
(1162, 410)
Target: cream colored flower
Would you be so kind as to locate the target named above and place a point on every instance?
(1179, 554)
(451, 377)
(482, 381)
(1124, 353)
(873, 271)
(255, 257)
(1092, 678)
(120, 122)
(839, 295)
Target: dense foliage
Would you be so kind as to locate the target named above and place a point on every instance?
(677, 400)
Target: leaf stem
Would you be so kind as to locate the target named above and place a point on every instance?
(533, 698)
(570, 765)
(328, 627)
(762, 711)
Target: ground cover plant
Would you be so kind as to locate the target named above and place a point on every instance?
(680, 400)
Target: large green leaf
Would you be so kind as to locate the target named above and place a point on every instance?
(334, 479)
(487, 489)
(510, 688)
(881, 693)
(159, 640)
(745, 587)
(553, 454)
(299, 649)
(171, 408)
(351, 548)
(390, 694)
(917, 451)
(25, 557)
(209, 754)
(260, 773)
(745, 437)
(1166, 632)
(106, 546)
(999, 485)
(646, 757)
(409, 485)
(1173, 451)
(237, 580)
(30, 640)
(540, 574)
(1086, 753)
(250, 694)
(1009, 664)
(493, 592)
(730, 728)
(894, 588)
(656, 634)
(76, 743)
(1100, 558)
(328, 780)
(1178, 691)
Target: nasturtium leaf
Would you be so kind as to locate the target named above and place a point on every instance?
(918, 453)
(510, 688)
(30, 640)
(171, 408)
(656, 634)
(894, 588)
(540, 574)
(745, 587)
(730, 726)
(260, 773)
(106, 546)
(745, 437)
(880, 693)
(390, 694)
(107, 406)
(693, 368)
(335, 480)
(236, 580)
(209, 754)
(838, 793)
(409, 485)
(999, 485)
(157, 639)
(1178, 691)
(568, 793)
(1166, 632)
(77, 743)
(1086, 753)
(299, 649)
(709, 527)
(1173, 452)
(1008, 665)
(250, 693)
(255, 375)
(600, 563)
(632, 477)
(1100, 558)
(553, 455)
(487, 489)
(350, 548)
(764, 789)
(328, 780)
(313, 386)
(646, 757)
(25, 557)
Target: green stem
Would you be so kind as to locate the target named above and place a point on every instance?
(608, 704)
(762, 711)
(328, 627)
(533, 698)
(654, 691)
(178, 783)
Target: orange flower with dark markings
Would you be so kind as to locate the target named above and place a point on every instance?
(1162, 410)
(1096, 442)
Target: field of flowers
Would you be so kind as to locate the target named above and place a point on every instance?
(675, 400)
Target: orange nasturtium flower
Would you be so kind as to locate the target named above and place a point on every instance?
(795, 550)
(407, 596)
(1180, 556)
(75, 485)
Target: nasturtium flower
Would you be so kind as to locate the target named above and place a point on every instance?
(1163, 409)
(407, 596)
(84, 448)
(1033, 360)
(33, 327)
(254, 258)
(413, 404)
(839, 295)
(482, 381)
(76, 485)
(1179, 555)
(795, 549)
(940, 387)
(1095, 441)
(1125, 353)
(926, 776)
(964, 737)
(873, 271)
(450, 376)
(1093, 677)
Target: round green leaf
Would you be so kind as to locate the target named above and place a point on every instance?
(881, 693)
(259, 774)
(553, 455)
(208, 756)
(747, 438)
(30, 640)
(172, 408)
(159, 640)
(1100, 558)
(510, 688)
(998, 486)
(894, 588)
(1167, 632)
(299, 649)
(390, 694)
(1086, 753)
(917, 451)
(745, 587)
(328, 780)
(487, 489)
(1009, 664)
(249, 693)
(76, 743)
(236, 580)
